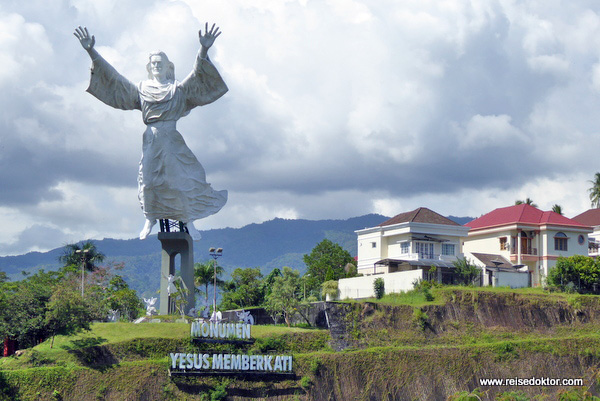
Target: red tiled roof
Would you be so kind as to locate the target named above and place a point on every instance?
(420, 215)
(589, 218)
(523, 214)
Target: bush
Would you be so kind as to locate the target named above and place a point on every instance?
(465, 269)
(379, 287)
(220, 391)
(330, 288)
(420, 318)
(575, 274)
(305, 382)
(424, 287)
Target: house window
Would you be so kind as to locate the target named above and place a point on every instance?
(448, 249)
(404, 247)
(425, 250)
(504, 244)
(560, 241)
(373, 244)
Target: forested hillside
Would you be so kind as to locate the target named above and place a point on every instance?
(267, 245)
(274, 243)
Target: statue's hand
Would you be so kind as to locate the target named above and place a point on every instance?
(83, 35)
(209, 36)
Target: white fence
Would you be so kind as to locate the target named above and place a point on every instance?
(362, 287)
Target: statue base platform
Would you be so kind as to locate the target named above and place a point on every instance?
(174, 244)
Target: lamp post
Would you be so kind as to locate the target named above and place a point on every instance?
(215, 253)
(305, 277)
(82, 252)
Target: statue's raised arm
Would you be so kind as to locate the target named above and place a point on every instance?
(204, 84)
(106, 83)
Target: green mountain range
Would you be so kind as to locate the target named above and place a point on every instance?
(272, 244)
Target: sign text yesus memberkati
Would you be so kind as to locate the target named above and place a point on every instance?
(227, 362)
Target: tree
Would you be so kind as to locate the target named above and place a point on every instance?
(122, 298)
(285, 295)
(245, 289)
(67, 312)
(204, 275)
(467, 272)
(575, 272)
(330, 289)
(92, 257)
(527, 201)
(595, 191)
(557, 209)
(269, 280)
(25, 306)
(327, 261)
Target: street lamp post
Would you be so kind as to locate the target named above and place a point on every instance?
(215, 253)
(305, 277)
(82, 252)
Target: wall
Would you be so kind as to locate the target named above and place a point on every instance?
(367, 255)
(362, 287)
(487, 243)
(512, 279)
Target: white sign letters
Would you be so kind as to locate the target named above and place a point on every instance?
(228, 362)
(220, 330)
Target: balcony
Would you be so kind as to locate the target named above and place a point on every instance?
(525, 250)
(427, 256)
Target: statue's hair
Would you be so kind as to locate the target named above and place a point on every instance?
(170, 65)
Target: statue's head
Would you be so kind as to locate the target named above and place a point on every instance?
(159, 65)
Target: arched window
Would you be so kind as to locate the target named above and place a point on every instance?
(561, 241)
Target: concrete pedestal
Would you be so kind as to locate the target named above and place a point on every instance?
(173, 244)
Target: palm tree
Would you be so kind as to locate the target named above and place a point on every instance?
(91, 255)
(527, 201)
(557, 209)
(595, 191)
(204, 275)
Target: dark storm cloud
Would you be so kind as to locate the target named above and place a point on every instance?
(334, 107)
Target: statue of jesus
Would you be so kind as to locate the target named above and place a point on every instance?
(171, 182)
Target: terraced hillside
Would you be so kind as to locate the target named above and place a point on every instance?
(401, 347)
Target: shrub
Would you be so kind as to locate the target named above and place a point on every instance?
(379, 287)
(315, 364)
(305, 382)
(219, 393)
(330, 288)
(420, 318)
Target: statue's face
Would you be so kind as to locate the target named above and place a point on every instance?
(158, 67)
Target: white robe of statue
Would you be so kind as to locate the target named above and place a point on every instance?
(171, 181)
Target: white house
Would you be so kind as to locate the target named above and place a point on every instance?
(591, 218)
(402, 250)
(527, 237)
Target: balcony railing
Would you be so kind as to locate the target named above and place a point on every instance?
(524, 251)
(427, 256)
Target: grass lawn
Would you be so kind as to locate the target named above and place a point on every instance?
(442, 295)
(113, 333)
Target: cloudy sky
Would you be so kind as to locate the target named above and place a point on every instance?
(335, 109)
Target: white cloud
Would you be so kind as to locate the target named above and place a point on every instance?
(335, 109)
(548, 63)
(24, 47)
(482, 132)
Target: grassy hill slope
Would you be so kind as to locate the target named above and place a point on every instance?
(401, 347)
